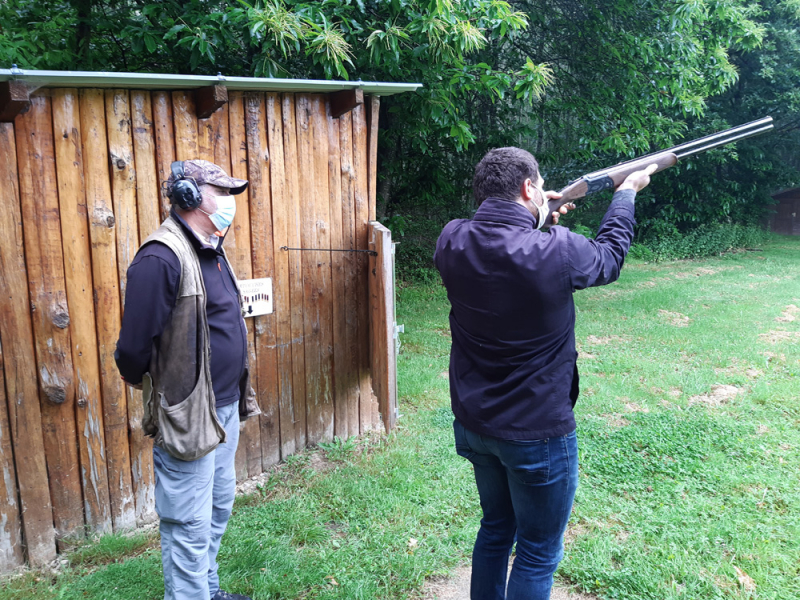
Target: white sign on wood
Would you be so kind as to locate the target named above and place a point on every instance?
(256, 296)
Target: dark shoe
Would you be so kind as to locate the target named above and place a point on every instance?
(220, 595)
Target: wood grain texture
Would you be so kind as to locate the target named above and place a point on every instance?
(16, 331)
(123, 190)
(105, 277)
(148, 211)
(263, 266)
(47, 288)
(148, 188)
(11, 555)
(373, 105)
(165, 144)
(368, 405)
(338, 297)
(280, 283)
(351, 263)
(248, 455)
(78, 267)
(184, 121)
(294, 224)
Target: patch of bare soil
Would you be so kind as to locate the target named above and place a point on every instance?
(776, 335)
(673, 318)
(615, 420)
(789, 314)
(586, 355)
(675, 392)
(634, 407)
(608, 339)
(457, 588)
(719, 395)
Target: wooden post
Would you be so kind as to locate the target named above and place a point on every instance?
(185, 123)
(263, 266)
(165, 144)
(16, 330)
(313, 163)
(373, 111)
(340, 361)
(209, 100)
(248, 455)
(105, 276)
(78, 264)
(45, 260)
(294, 227)
(280, 283)
(352, 261)
(148, 179)
(148, 210)
(368, 406)
(382, 346)
(10, 524)
(123, 189)
(344, 101)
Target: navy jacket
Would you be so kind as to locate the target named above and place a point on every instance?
(513, 363)
(153, 279)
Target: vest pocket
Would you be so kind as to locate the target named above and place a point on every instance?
(190, 429)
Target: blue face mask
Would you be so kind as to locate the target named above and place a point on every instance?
(226, 210)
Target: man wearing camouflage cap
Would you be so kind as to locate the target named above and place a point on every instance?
(184, 343)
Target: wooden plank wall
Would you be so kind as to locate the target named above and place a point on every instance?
(81, 177)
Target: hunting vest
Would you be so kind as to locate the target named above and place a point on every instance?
(179, 404)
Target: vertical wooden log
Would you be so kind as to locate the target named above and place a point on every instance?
(10, 523)
(294, 226)
(351, 289)
(148, 211)
(148, 181)
(123, 189)
(368, 406)
(185, 123)
(45, 260)
(165, 144)
(316, 264)
(382, 346)
(263, 266)
(280, 285)
(24, 412)
(340, 374)
(248, 455)
(78, 265)
(319, 119)
(102, 234)
(373, 105)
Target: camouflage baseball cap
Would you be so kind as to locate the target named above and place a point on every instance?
(203, 171)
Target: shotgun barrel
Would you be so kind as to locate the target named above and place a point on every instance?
(613, 176)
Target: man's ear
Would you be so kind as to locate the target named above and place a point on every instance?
(526, 190)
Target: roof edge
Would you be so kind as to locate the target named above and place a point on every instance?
(160, 81)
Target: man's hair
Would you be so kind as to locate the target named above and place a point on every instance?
(502, 171)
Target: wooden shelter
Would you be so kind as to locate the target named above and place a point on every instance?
(786, 219)
(82, 161)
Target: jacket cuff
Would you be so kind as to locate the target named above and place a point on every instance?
(623, 199)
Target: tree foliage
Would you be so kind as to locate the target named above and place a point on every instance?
(581, 83)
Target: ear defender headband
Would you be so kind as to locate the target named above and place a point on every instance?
(184, 191)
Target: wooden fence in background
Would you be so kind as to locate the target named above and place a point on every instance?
(80, 187)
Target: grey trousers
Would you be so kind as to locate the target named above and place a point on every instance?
(194, 501)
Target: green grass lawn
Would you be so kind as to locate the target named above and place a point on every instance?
(689, 425)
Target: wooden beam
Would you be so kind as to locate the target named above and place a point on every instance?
(345, 101)
(210, 99)
(14, 98)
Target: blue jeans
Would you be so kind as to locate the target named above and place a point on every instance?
(526, 489)
(194, 500)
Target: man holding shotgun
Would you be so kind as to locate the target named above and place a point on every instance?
(513, 372)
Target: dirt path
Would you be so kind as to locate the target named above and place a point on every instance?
(457, 588)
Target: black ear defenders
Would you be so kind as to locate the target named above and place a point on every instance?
(184, 191)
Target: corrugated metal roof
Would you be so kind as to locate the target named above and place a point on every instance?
(159, 81)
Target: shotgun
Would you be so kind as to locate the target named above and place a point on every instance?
(613, 176)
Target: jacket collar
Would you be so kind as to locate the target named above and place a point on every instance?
(499, 210)
(197, 243)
